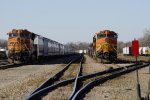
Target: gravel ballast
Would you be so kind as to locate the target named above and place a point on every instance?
(16, 83)
(121, 88)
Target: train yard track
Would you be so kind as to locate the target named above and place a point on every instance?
(4, 64)
(57, 77)
(9, 66)
(81, 84)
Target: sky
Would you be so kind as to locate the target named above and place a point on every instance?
(75, 20)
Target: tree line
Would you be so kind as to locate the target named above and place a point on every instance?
(78, 45)
(3, 43)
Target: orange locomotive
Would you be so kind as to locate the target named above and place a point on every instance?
(20, 45)
(105, 45)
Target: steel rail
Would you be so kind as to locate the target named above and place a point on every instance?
(56, 77)
(77, 83)
(10, 66)
(38, 94)
(81, 93)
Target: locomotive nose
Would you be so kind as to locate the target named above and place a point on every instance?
(107, 40)
(18, 39)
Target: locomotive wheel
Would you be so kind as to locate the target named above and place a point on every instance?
(106, 55)
(10, 61)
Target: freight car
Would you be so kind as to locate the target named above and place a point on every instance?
(144, 51)
(82, 51)
(127, 51)
(105, 45)
(24, 45)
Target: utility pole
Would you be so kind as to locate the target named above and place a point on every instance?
(138, 85)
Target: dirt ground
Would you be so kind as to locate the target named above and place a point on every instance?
(65, 91)
(16, 83)
(144, 58)
(89, 66)
(121, 88)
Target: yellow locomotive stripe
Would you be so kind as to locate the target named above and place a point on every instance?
(97, 45)
(104, 46)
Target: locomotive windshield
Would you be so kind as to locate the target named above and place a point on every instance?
(12, 35)
(112, 35)
(25, 35)
(99, 36)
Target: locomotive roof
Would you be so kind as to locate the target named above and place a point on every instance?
(26, 31)
(106, 32)
(19, 31)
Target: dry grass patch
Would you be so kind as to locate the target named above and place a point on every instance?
(121, 88)
(62, 93)
(19, 88)
(71, 72)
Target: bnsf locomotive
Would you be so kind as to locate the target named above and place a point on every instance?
(24, 46)
(105, 45)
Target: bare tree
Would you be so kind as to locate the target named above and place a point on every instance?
(3, 43)
(78, 45)
(120, 45)
(145, 40)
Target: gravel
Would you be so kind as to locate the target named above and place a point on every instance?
(16, 83)
(121, 88)
(91, 66)
(65, 91)
(62, 93)
(132, 58)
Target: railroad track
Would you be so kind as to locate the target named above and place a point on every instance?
(83, 83)
(7, 66)
(4, 64)
(58, 77)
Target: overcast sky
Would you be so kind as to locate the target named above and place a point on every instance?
(75, 20)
